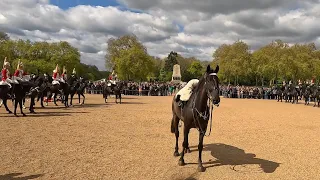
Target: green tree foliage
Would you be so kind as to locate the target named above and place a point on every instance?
(129, 58)
(196, 69)
(170, 61)
(44, 56)
(275, 61)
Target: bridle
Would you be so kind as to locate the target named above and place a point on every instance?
(204, 114)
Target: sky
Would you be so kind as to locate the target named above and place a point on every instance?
(189, 27)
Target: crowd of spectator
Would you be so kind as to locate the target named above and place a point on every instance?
(248, 92)
(168, 89)
(139, 89)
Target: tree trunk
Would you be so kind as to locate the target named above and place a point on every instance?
(256, 81)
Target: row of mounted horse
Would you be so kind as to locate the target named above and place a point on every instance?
(294, 93)
(39, 87)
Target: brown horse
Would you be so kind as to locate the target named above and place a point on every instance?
(195, 114)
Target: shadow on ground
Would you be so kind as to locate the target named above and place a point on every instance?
(233, 156)
(15, 176)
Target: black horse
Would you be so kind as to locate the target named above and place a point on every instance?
(81, 89)
(294, 92)
(17, 93)
(280, 90)
(107, 91)
(306, 95)
(115, 89)
(195, 113)
(78, 88)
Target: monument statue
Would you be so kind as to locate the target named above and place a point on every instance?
(176, 74)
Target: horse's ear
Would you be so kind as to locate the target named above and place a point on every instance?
(217, 69)
(208, 68)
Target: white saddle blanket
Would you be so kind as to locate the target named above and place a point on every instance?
(186, 91)
(54, 82)
(4, 83)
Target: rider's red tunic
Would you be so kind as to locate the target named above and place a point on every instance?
(5, 74)
(55, 75)
(19, 73)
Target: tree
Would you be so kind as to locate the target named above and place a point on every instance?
(170, 61)
(129, 58)
(196, 69)
(115, 46)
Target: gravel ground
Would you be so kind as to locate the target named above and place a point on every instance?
(251, 139)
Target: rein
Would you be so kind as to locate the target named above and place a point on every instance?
(204, 114)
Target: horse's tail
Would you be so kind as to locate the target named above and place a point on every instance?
(173, 129)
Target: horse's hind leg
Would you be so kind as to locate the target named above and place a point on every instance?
(185, 145)
(6, 106)
(175, 130)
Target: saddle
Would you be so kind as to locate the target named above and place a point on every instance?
(185, 93)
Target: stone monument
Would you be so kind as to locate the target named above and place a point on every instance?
(176, 74)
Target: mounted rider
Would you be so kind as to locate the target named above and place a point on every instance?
(56, 76)
(20, 74)
(113, 78)
(6, 81)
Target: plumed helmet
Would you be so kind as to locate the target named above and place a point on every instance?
(5, 63)
(56, 69)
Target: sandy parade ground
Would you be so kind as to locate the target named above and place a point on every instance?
(251, 139)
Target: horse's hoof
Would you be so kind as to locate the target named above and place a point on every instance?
(24, 115)
(176, 154)
(16, 115)
(201, 169)
(181, 163)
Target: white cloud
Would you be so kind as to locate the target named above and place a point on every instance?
(205, 24)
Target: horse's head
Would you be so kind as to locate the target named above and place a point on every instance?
(212, 84)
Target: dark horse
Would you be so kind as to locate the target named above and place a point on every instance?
(195, 113)
(78, 88)
(115, 89)
(18, 93)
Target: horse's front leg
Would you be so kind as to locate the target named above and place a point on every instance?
(200, 147)
(23, 103)
(55, 99)
(71, 98)
(83, 98)
(185, 145)
(15, 107)
(20, 104)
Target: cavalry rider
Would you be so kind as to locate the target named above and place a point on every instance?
(19, 74)
(56, 76)
(64, 77)
(113, 77)
(6, 74)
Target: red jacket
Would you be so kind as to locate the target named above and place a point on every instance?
(17, 73)
(5, 74)
(110, 77)
(55, 75)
